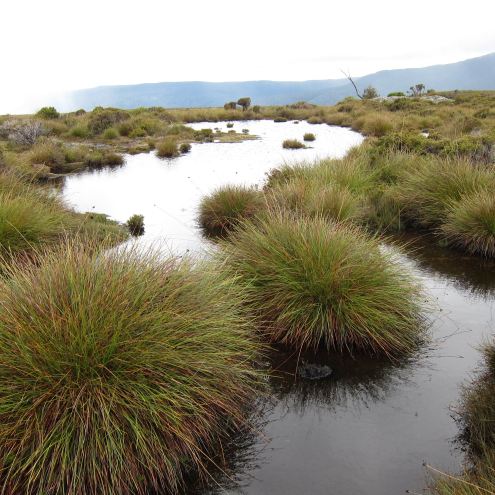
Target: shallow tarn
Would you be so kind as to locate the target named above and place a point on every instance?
(369, 426)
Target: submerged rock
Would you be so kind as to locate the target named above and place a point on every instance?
(310, 371)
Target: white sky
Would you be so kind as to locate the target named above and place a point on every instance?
(51, 46)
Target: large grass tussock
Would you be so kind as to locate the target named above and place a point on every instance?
(118, 372)
(318, 285)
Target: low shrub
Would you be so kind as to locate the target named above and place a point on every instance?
(48, 113)
(101, 119)
(309, 136)
(121, 371)
(167, 148)
(293, 144)
(135, 224)
(470, 223)
(280, 119)
(230, 125)
(396, 93)
(314, 285)
(185, 148)
(222, 210)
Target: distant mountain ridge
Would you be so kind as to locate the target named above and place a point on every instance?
(475, 73)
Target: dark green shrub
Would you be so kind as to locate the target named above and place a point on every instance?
(135, 224)
(185, 148)
(121, 371)
(101, 119)
(396, 93)
(48, 113)
(230, 125)
(245, 103)
(369, 93)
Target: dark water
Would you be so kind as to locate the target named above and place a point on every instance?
(369, 427)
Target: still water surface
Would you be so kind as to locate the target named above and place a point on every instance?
(368, 428)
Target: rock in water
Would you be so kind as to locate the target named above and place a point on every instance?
(314, 371)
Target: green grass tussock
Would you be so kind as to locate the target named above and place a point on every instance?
(309, 136)
(428, 190)
(293, 144)
(470, 223)
(308, 197)
(167, 148)
(119, 371)
(222, 210)
(314, 285)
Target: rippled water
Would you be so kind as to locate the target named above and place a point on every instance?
(368, 428)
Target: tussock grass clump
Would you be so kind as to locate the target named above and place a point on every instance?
(308, 197)
(222, 210)
(315, 285)
(29, 216)
(429, 190)
(119, 371)
(46, 152)
(293, 144)
(110, 133)
(309, 136)
(470, 223)
(167, 148)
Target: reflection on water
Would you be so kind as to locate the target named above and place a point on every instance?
(368, 428)
(167, 191)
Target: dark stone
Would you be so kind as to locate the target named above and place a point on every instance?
(314, 371)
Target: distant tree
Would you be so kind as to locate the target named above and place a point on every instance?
(417, 89)
(369, 93)
(245, 103)
(230, 105)
(351, 80)
(48, 113)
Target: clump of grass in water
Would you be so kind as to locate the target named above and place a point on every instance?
(119, 370)
(309, 136)
(470, 224)
(318, 285)
(293, 144)
(222, 210)
(167, 148)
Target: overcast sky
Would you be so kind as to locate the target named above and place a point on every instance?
(51, 46)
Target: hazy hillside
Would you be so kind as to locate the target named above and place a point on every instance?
(476, 73)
